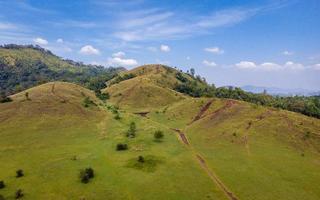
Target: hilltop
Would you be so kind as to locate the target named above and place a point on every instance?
(25, 66)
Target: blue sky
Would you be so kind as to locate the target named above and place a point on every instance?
(229, 42)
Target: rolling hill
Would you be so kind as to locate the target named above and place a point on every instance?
(213, 148)
(25, 66)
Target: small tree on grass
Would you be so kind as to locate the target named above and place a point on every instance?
(121, 147)
(117, 117)
(27, 95)
(141, 159)
(132, 130)
(2, 185)
(158, 135)
(86, 175)
(19, 173)
(19, 194)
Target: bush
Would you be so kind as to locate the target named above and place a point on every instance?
(86, 175)
(122, 147)
(1, 197)
(19, 173)
(2, 185)
(141, 159)
(158, 135)
(132, 130)
(4, 98)
(88, 102)
(102, 96)
(19, 194)
(117, 117)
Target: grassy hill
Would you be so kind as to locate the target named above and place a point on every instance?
(22, 67)
(213, 148)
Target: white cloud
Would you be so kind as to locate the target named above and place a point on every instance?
(215, 50)
(116, 61)
(270, 66)
(226, 17)
(294, 66)
(316, 66)
(119, 54)
(287, 53)
(89, 50)
(59, 40)
(153, 49)
(40, 41)
(7, 26)
(188, 58)
(208, 63)
(246, 65)
(164, 48)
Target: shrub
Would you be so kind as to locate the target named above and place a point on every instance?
(141, 159)
(2, 185)
(1, 197)
(86, 175)
(89, 171)
(158, 135)
(4, 98)
(19, 173)
(117, 117)
(27, 95)
(132, 130)
(19, 194)
(122, 147)
(88, 102)
(102, 96)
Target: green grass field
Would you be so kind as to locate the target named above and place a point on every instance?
(254, 152)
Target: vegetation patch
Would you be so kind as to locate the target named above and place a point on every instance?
(147, 163)
(86, 175)
(87, 102)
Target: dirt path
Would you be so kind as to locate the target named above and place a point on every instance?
(228, 105)
(182, 136)
(204, 165)
(201, 160)
(214, 177)
(201, 112)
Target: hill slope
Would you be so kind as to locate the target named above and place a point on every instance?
(22, 67)
(213, 148)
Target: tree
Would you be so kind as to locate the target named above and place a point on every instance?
(132, 130)
(121, 147)
(141, 159)
(19, 194)
(19, 173)
(2, 185)
(27, 95)
(158, 135)
(192, 71)
(86, 175)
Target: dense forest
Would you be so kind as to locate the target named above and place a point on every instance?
(197, 87)
(25, 66)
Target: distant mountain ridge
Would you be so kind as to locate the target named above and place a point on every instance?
(280, 91)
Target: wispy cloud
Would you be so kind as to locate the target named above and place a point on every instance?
(214, 50)
(271, 66)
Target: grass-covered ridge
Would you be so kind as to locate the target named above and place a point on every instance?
(25, 66)
(70, 144)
